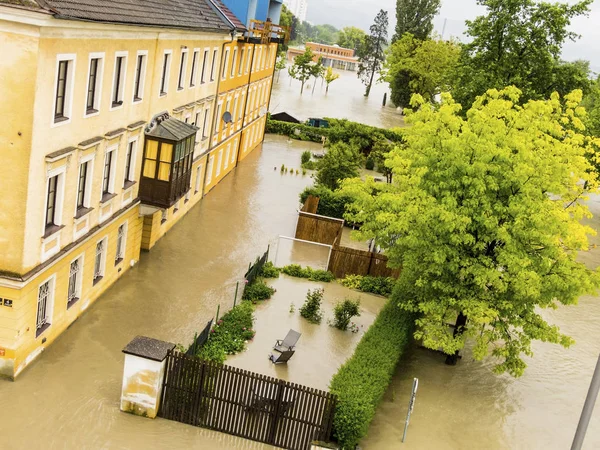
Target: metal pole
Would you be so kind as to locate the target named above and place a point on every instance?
(218, 309)
(237, 285)
(411, 405)
(588, 408)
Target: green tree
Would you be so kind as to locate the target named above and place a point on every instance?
(415, 17)
(592, 104)
(318, 70)
(518, 42)
(484, 216)
(351, 37)
(419, 67)
(330, 77)
(341, 161)
(372, 54)
(302, 69)
(281, 63)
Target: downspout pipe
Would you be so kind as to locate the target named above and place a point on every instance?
(237, 159)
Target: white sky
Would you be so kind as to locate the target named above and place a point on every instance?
(361, 13)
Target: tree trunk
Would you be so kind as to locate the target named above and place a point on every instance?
(302, 87)
(278, 75)
(327, 88)
(314, 84)
(461, 321)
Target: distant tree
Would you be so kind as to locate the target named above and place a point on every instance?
(292, 72)
(281, 63)
(351, 37)
(415, 17)
(324, 34)
(330, 77)
(372, 54)
(518, 42)
(318, 70)
(341, 161)
(484, 217)
(303, 67)
(423, 67)
(591, 102)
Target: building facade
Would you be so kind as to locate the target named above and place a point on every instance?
(113, 131)
(333, 55)
(298, 8)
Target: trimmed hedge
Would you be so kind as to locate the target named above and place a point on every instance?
(363, 379)
(295, 270)
(307, 133)
(375, 285)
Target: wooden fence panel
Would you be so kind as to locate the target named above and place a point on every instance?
(350, 261)
(311, 205)
(245, 404)
(315, 228)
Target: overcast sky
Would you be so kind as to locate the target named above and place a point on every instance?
(361, 13)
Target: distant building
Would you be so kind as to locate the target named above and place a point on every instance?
(260, 10)
(298, 8)
(333, 55)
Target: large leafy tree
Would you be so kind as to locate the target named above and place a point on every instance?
(419, 67)
(351, 37)
(484, 217)
(372, 55)
(341, 161)
(415, 17)
(302, 69)
(592, 105)
(519, 42)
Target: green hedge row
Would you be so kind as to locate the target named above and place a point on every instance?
(307, 133)
(363, 379)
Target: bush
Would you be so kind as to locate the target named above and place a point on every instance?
(306, 157)
(295, 270)
(311, 309)
(343, 312)
(352, 281)
(331, 204)
(229, 335)
(305, 132)
(269, 270)
(370, 164)
(340, 162)
(363, 379)
(257, 291)
(310, 165)
(374, 285)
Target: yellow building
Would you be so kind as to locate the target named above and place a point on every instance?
(114, 127)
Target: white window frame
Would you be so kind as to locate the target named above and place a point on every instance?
(209, 169)
(234, 106)
(219, 162)
(144, 69)
(113, 170)
(60, 196)
(182, 72)
(167, 72)
(241, 64)
(89, 185)
(102, 269)
(131, 175)
(206, 123)
(218, 117)
(195, 64)
(234, 152)
(49, 304)
(122, 84)
(233, 60)
(205, 62)
(227, 154)
(99, 82)
(72, 57)
(213, 64)
(198, 179)
(263, 57)
(78, 281)
(120, 252)
(225, 65)
(241, 106)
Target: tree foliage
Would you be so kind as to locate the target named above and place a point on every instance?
(415, 17)
(592, 105)
(324, 34)
(330, 77)
(519, 42)
(484, 216)
(302, 69)
(351, 37)
(419, 67)
(372, 54)
(341, 161)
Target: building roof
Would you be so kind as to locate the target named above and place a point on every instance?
(231, 17)
(185, 14)
(172, 130)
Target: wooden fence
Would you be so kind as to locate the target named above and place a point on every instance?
(311, 204)
(200, 340)
(245, 404)
(350, 261)
(322, 229)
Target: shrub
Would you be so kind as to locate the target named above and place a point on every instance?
(229, 335)
(311, 309)
(269, 270)
(310, 165)
(361, 382)
(352, 281)
(331, 204)
(370, 164)
(343, 312)
(373, 285)
(306, 156)
(340, 162)
(257, 291)
(295, 270)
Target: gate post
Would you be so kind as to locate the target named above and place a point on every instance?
(143, 375)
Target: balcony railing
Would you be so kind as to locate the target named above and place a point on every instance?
(268, 32)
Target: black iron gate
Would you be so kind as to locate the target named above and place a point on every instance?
(245, 404)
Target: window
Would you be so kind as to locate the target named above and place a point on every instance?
(130, 163)
(212, 67)
(121, 239)
(140, 76)
(241, 106)
(194, 68)
(263, 55)
(233, 153)
(108, 173)
(204, 61)
(164, 78)
(205, 124)
(227, 152)
(82, 185)
(198, 178)
(119, 79)
(220, 162)
(225, 63)
(249, 60)
(51, 202)
(218, 118)
(182, 66)
(234, 106)
(99, 260)
(233, 59)
(92, 104)
(74, 289)
(227, 110)
(241, 63)
(209, 169)
(64, 88)
(44, 306)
